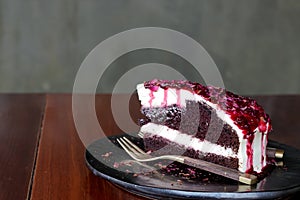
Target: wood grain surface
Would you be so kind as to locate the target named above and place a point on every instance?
(61, 172)
(20, 117)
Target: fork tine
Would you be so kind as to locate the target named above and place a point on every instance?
(131, 154)
(141, 135)
(134, 146)
(129, 147)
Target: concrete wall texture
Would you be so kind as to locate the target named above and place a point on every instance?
(255, 44)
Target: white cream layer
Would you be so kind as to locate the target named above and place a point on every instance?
(172, 96)
(186, 140)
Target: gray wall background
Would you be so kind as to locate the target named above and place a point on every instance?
(255, 43)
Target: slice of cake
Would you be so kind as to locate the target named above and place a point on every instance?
(209, 123)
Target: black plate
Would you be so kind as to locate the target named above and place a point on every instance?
(104, 158)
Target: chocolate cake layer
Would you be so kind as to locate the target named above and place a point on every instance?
(194, 119)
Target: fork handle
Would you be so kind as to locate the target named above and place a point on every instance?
(221, 170)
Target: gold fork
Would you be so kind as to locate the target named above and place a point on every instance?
(139, 155)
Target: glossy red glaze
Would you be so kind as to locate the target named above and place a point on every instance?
(244, 111)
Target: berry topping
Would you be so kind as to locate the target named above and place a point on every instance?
(244, 111)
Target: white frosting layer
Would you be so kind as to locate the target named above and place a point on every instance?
(257, 151)
(187, 140)
(170, 96)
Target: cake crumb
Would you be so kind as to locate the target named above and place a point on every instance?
(179, 182)
(205, 179)
(127, 163)
(149, 152)
(191, 171)
(106, 155)
(116, 165)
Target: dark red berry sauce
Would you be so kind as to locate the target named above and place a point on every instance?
(244, 111)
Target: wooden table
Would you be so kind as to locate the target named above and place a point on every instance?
(42, 156)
